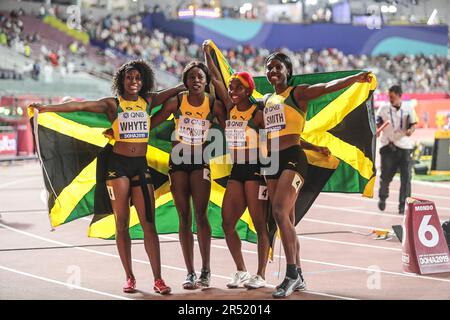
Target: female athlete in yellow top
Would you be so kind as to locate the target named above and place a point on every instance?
(245, 187)
(128, 175)
(284, 117)
(194, 111)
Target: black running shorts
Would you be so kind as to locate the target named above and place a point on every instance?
(292, 158)
(123, 166)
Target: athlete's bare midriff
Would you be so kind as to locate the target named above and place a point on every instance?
(130, 149)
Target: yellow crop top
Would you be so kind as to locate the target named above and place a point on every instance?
(282, 116)
(240, 130)
(192, 123)
(132, 123)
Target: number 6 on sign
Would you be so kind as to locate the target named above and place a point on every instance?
(424, 228)
(424, 249)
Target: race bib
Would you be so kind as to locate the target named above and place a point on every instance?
(274, 117)
(235, 133)
(192, 130)
(133, 125)
(206, 174)
(297, 182)
(111, 192)
(263, 193)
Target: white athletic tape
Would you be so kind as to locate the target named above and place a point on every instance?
(297, 182)
(206, 174)
(111, 192)
(263, 194)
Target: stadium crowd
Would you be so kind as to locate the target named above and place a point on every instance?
(125, 38)
(418, 73)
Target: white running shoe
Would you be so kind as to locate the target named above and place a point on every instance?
(255, 282)
(238, 278)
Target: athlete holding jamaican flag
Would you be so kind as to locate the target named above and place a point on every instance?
(189, 168)
(284, 117)
(246, 186)
(126, 167)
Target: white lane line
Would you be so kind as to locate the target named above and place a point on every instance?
(341, 265)
(421, 195)
(428, 183)
(309, 238)
(64, 283)
(312, 239)
(79, 248)
(376, 270)
(44, 196)
(349, 211)
(328, 295)
(382, 215)
(24, 212)
(148, 263)
(341, 224)
(304, 219)
(352, 244)
(373, 201)
(6, 184)
(246, 251)
(415, 194)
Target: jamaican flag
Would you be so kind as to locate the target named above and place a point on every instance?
(343, 121)
(69, 145)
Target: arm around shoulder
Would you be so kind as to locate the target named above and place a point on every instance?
(157, 98)
(220, 113)
(167, 109)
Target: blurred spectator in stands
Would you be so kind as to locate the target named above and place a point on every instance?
(27, 68)
(36, 70)
(44, 50)
(18, 72)
(3, 37)
(425, 119)
(70, 67)
(35, 37)
(51, 10)
(53, 58)
(73, 47)
(156, 8)
(42, 11)
(125, 38)
(27, 50)
(284, 17)
(57, 12)
(447, 125)
(47, 72)
(82, 51)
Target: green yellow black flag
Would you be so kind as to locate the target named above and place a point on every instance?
(343, 121)
(70, 143)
